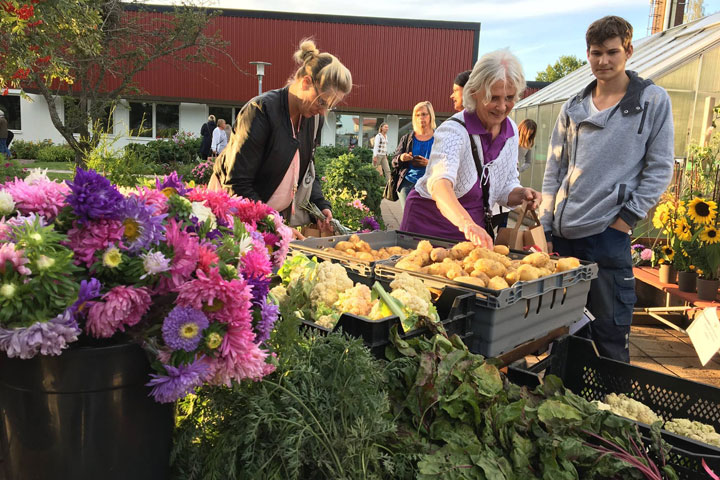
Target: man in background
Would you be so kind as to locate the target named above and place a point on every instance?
(4, 135)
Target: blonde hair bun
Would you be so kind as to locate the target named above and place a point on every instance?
(307, 52)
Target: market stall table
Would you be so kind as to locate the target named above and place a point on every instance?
(650, 276)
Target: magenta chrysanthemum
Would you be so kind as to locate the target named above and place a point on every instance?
(241, 359)
(223, 300)
(207, 257)
(185, 256)
(121, 307)
(249, 211)
(282, 247)
(152, 197)
(15, 257)
(44, 197)
(86, 240)
(218, 201)
(255, 263)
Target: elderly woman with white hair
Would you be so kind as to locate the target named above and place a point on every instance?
(473, 163)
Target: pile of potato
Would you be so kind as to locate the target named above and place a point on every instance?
(466, 263)
(360, 249)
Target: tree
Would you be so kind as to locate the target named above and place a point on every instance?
(564, 65)
(91, 51)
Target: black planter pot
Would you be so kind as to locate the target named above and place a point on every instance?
(687, 281)
(83, 415)
(707, 289)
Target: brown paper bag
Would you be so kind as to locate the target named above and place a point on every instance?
(519, 237)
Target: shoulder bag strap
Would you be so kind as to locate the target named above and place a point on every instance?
(485, 191)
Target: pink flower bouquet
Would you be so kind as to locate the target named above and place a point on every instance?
(185, 272)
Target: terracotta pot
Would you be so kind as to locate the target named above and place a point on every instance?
(668, 274)
(707, 289)
(687, 281)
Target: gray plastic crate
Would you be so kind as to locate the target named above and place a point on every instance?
(505, 319)
(376, 240)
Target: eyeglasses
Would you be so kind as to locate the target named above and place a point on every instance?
(322, 103)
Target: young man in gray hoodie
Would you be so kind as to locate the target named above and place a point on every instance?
(610, 159)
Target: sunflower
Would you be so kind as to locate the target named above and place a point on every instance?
(662, 216)
(668, 252)
(709, 235)
(702, 211)
(682, 230)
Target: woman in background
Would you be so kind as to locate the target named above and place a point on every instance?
(380, 151)
(413, 150)
(526, 140)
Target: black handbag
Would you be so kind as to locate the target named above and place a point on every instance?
(390, 192)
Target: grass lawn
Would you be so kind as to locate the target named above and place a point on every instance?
(51, 165)
(60, 176)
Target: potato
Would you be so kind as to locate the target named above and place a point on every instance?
(478, 282)
(354, 238)
(461, 250)
(538, 259)
(481, 275)
(395, 251)
(406, 265)
(565, 264)
(501, 249)
(491, 267)
(497, 283)
(365, 256)
(424, 246)
(511, 277)
(362, 246)
(453, 271)
(439, 254)
(527, 273)
(343, 245)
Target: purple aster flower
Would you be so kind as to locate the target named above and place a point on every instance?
(370, 223)
(46, 338)
(260, 288)
(638, 246)
(142, 227)
(172, 181)
(269, 314)
(179, 381)
(93, 197)
(182, 328)
(89, 290)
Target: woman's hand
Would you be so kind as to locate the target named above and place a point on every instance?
(419, 161)
(476, 234)
(296, 234)
(406, 157)
(524, 194)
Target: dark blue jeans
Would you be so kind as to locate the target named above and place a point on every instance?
(612, 295)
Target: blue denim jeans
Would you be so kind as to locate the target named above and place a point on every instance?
(4, 148)
(612, 295)
(406, 187)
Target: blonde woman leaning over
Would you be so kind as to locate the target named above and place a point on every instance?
(270, 155)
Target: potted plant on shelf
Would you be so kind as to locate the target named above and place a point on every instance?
(705, 251)
(665, 219)
(115, 304)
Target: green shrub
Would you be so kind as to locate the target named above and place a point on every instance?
(28, 150)
(202, 172)
(348, 173)
(181, 148)
(55, 153)
(122, 167)
(10, 169)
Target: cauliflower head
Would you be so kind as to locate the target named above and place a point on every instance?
(694, 430)
(356, 300)
(412, 285)
(332, 279)
(412, 302)
(280, 294)
(629, 408)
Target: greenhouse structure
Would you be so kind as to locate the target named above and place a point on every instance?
(685, 60)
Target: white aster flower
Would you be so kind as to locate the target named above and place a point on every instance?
(7, 204)
(44, 262)
(7, 290)
(203, 213)
(35, 175)
(245, 245)
(154, 263)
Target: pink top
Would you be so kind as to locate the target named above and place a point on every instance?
(285, 193)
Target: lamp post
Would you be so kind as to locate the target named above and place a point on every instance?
(260, 66)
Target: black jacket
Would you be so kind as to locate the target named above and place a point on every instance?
(267, 149)
(405, 145)
(206, 132)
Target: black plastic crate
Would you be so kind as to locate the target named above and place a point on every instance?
(454, 307)
(505, 319)
(576, 361)
(377, 240)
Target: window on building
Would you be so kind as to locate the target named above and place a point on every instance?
(167, 120)
(141, 119)
(346, 131)
(404, 126)
(226, 113)
(370, 129)
(10, 105)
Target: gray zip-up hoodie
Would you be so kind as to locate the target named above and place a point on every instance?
(615, 163)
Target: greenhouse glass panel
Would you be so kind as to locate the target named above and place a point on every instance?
(682, 108)
(681, 79)
(710, 71)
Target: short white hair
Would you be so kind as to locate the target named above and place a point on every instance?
(491, 67)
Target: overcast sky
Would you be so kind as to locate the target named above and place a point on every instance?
(537, 31)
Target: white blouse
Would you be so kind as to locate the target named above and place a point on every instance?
(451, 158)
